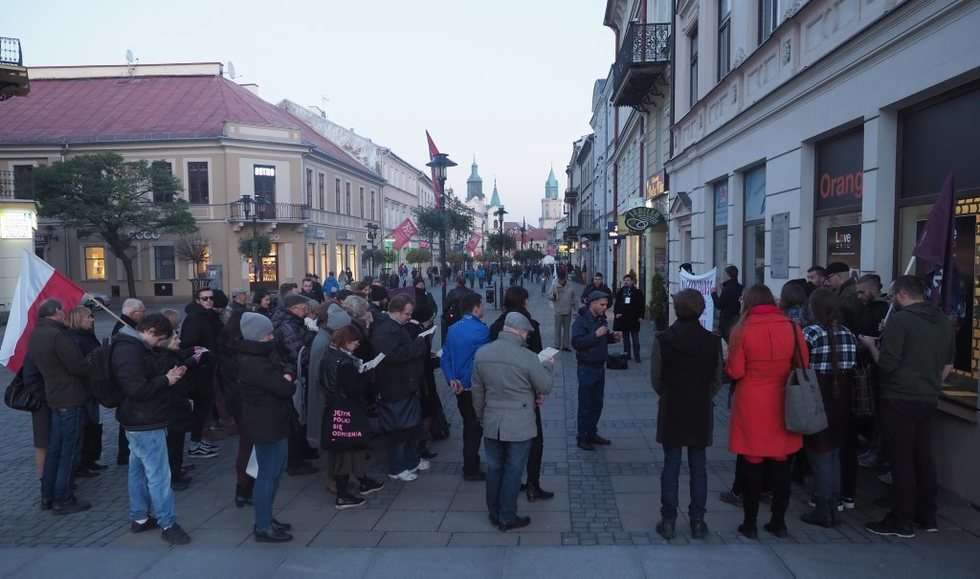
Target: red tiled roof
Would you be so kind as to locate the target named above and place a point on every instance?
(148, 108)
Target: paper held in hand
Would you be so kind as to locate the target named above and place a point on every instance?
(428, 332)
(372, 364)
(547, 354)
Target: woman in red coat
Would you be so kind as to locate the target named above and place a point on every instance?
(759, 361)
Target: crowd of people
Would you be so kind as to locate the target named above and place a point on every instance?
(347, 369)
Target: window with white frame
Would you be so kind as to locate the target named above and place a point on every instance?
(724, 37)
(768, 17)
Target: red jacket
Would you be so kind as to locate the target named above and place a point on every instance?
(759, 361)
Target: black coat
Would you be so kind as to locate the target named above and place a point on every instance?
(202, 328)
(591, 288)
(181, 409)
(728, 305)
(628, 315)
(341, 381)
(399, 375)
(146, 401)
(690, 359)
(533, 341)
(267, 397)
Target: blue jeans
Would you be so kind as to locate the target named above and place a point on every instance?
(149, 477)
(402, 453)
(591, 389)
(826, 474)
(63, 445)
(505, 466)
(272, 459)
(669, 481)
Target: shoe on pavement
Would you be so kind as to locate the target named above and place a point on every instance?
(96, 466)
(929, 526)
(585, 444)
(699, 529)
(596, 439)
(516, 523)
(422, 465)
(536, 493)
(146, 525)
(272, 535)
(749, 532)
(370, 486)
(209, 445)
(405, 476)
(776, 529)
(46, 504)
(731, 498)
(846, 503)
(475, 477)
(301, 469)
(889, 527)
(428, 454)
(343, 503)
(86, 473)
(201, 451)
(665, 528)
(69, 506)
(280, 525)
(175, 535)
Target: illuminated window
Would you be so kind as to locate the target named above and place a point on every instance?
(95, 263)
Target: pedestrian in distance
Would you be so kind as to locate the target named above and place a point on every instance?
(145, 412)
(509, 382)
(760, 359)
(728, 303)
(598, 284)
(563, 296)
(64, 371)
(630, 306)
(685, 370)
(267, 413)
(590, 338)
(914, 357)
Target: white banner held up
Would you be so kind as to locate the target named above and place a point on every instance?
(703, 283)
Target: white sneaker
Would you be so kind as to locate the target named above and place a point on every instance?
(405, 476)
(423, 465)
(202, 451)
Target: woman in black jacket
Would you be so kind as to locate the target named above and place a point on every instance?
(168, 356)
(342, 380)
(81, 323)
(267, 414)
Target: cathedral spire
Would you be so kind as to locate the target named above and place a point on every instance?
(495, 198)
(551, 186)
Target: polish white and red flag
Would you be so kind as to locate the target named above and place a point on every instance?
(38, 281)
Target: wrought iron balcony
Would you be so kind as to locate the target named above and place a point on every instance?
(641, 63)
(571, 194)
(13, 74)
(13, 189)
(586, 224)
(265, 212)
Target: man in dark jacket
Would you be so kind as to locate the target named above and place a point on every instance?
(310, 291)
(293, 342)
(685, 370)
(145, 411)
(728, 304)
(64, 371)
(133, 311)
(629, 309)
(914, 358)
(840, 280)
(201, 328)
(590, 339)
(452, 312)
(597, 285)
(398, 379)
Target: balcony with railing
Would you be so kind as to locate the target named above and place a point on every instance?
(13, 73)
(268, 212)
(586, 224)
(641, 63)
(14, 187)
(571, 194)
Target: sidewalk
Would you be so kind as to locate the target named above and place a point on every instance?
(607, 501)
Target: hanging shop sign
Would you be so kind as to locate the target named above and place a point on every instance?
(637, 217)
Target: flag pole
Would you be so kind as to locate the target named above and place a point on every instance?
(105, 309)
(891, 305)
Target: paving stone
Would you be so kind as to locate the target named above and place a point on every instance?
(410, 521)
(414, 539)
(491, 539)
(330, 538)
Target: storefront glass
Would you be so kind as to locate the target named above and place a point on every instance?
(754, 264)
(837, 196)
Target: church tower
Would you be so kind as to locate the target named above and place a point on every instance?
(552, 207)
(474, 185)
(495, 198)
(551, 186)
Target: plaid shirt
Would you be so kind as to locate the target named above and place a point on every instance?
(818, 339)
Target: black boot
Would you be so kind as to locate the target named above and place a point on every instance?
(243, 495)
(752, 475)
(536, 493)
(780, 479)
(820, 515)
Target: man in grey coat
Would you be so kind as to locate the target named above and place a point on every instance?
(508, 382)
(565, 301)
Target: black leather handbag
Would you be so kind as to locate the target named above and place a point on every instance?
(398, 415)
(19, 396)
(617, 361)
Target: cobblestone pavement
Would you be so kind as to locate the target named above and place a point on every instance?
(604, 498)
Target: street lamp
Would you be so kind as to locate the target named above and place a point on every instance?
(614, 236)
(523, 256)
(500, 212)
(251, 209)
(439, 164)
(372, 236)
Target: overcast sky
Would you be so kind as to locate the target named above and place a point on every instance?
(507, 80)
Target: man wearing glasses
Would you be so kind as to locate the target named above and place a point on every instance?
(201, 328)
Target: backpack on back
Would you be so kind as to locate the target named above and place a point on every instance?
(102, 385)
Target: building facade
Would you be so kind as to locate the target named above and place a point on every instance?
(822, 131)
(224, 143)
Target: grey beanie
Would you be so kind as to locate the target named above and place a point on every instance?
(596, 295)
(337, 317)
(255, 326)
(517, 321)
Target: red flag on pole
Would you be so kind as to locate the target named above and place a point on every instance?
(38, 281)
(433, 149)
(436, 185)
(473, 242)
(403, 233)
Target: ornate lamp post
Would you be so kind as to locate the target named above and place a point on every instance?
(615, 236)
(251, 209)
(372, 235)
(500, 212)
(439, 164)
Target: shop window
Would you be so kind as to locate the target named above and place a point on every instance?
(339, 258)
(839, 239)
(164, 263)
(268, 270)
(95, 263)
(352, 260)
(754, 240)
(197, 182)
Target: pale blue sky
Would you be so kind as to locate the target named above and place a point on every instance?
(508, 80)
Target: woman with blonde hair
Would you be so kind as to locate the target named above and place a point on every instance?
(81, 326)
(763, 346)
